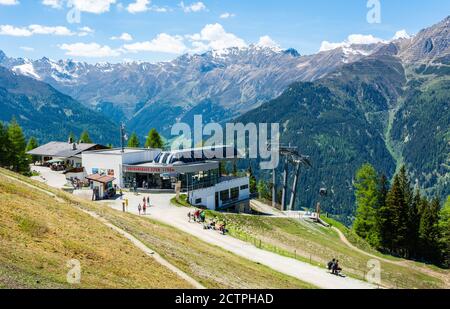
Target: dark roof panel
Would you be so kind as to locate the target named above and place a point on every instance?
(61, 149)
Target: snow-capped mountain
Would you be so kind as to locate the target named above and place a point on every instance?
(219, 84)
(234, 79)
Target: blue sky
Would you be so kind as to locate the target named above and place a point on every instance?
(159, 30)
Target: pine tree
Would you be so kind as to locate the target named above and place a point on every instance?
(84, 138)
(154, 140)
(32, 144)
(133, 142)
(235, 168)
(19, 159)
(396, 214)
(413, 224)
(444, 228)
(382, 192)
(5, 146)
(223, 168)
(429, 233)
(71, 138)
(252, 180)
(366, 194)
(264, 191)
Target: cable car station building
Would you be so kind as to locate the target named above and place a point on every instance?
(153, 170)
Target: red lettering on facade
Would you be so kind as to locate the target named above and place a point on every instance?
(152, 170)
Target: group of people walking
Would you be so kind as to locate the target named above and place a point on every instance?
(145, 204)
(142, 208)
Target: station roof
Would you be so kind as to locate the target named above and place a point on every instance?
(100, 178)
(62, 149)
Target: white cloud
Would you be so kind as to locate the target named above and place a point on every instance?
(124, 37)
(56, 4)
(160, 9)
(163, 43)
(193, 8)
(138, 6)
(26, 48)
(352, 39)
(93, 6)
(9, 2)
(84, 31)
(58, 30)
(91, 50)
(401, 34)
(42, 30)
(14, 31)
(214, 36)
(227, 15)
(266, 41)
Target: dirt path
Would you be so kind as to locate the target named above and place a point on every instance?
(404, 263)
(162, 210)
(137, 243)
(445, 278)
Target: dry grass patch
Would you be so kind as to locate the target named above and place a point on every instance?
(38, 236)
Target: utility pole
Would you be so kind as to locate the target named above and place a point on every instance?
(285, 179)
(294, 185)
(290, 155)
(122, 137)
(274, 188)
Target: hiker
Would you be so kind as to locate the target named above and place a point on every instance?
(139, 209)
(202, 216)
(144, 208)
(126, 204)
(123, 206)
(121, 193)
(143, 200)
(189, 217)
(148, 201)
(330, 264)
(196, 215)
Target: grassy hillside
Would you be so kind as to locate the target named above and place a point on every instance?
(312, 243)
(39, 235)
(211, 266)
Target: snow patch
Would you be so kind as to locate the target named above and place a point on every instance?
(26, 69)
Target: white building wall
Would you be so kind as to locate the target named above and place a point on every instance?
(93, 161)
(113, 160)
(141, 156)
(208, 195)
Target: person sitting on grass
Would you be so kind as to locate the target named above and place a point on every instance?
(336, 269)
(331, 264)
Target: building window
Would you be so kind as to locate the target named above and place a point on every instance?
(235, 193)
(224, 195)
(245, 187)
(198, 201)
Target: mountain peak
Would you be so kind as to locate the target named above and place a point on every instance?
(428, 44)
(292, 51)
